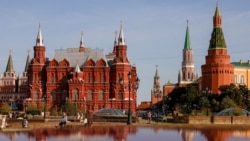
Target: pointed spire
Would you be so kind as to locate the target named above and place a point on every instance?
(217, 11)
(81, 41)
(10, 66)
(39, 40)
(156, 71)
(115, 43)
(77, 69)
(217, 17)
(81, 48)
(121, 40)
(27, 61)
(187, 45)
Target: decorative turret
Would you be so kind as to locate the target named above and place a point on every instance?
(81, 48)
(9, 78)
(39, 48)
(10, 66)
(217, 36)
(121, 48)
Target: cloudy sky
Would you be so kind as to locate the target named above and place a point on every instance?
(154, 31)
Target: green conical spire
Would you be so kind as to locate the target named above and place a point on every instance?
(217, 40)
(27, 62)
(187, 45)
(10, 66)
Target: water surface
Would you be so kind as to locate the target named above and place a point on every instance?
(127, 133)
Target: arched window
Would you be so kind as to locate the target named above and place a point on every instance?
(90, 95)
(242, 79)
(75, 94)
(101, 94)
(235, 79)
(53, 95)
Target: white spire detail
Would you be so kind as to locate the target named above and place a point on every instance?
(39, 40)
(121, 40)
(77, 69)
(81, 41)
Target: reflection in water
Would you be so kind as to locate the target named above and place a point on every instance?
(126, 133)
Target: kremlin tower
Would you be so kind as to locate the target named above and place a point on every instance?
(217, 69)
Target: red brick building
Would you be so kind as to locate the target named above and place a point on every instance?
(84, 76)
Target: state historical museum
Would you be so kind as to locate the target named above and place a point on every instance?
(86, 77)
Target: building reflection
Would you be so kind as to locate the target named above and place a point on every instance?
(187, 134)
(120, 133)
(224, 134)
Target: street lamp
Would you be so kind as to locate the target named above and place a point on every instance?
(130, 85)
(207, 91)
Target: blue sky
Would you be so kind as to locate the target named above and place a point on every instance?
(154, 31)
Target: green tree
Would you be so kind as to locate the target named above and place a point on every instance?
(70, 108)
(227, 103)
(215, 105)
(235, 93)
(33, 110)
(54, 112)
(246, 95)
(183, 99)
(5, 108)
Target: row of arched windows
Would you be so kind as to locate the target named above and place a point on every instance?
(100, 77)
(8, 82)
(239, 79)
(75, 95)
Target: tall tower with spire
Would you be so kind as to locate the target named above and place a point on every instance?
(37, 69)
(124, 73)
(156, 92)
(9, 78)
(217, 69)
(187, 73)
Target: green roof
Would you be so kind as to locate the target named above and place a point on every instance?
(187, 45)
(217, 40)
(10, 66)
(241, 64)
